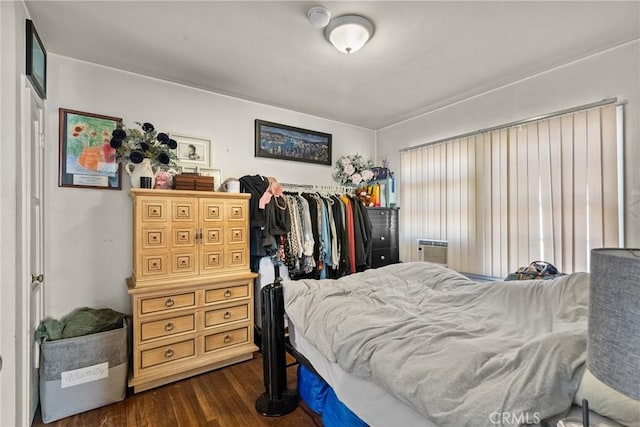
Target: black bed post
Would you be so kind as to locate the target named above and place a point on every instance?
(276, 400)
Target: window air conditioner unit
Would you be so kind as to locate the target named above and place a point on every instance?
(433, 251)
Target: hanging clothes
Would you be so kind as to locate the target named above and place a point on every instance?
(316, 235)
(362, 235)
(350, 241)
(269, 217)
(325, 230)
(341, 235)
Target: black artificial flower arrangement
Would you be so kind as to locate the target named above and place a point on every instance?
(132, 145)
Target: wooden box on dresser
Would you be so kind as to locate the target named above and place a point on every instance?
(191, 288)
(385, 248)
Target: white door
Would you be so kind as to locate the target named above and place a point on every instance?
(32, 306)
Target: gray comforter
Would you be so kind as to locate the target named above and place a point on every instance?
(461, 353)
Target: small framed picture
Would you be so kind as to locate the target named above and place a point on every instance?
(36, 60)
(379, 173)
(193, 152)
(215, 173)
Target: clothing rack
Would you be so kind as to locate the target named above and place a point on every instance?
(317, 188)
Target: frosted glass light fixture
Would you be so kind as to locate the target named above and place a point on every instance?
(348, 33)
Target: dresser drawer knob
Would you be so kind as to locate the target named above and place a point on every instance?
(381, 237)
(382, 257)
(227, 293)
(169, 302)
(168, 327)
(381, 213)
(227, 339)
(168, 353)
(227, 315)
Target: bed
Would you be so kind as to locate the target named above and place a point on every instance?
(419, 344)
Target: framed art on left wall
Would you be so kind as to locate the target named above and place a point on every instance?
(86, 159)
(36, 70)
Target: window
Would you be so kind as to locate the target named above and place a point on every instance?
(544, 190)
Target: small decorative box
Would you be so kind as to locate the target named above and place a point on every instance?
(193, 182)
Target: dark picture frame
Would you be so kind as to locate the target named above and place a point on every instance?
(86, 159)
(379, 173)
(278, 141)
(36, 60)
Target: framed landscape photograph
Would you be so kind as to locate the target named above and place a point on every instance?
(277, 141)
(36, 70)
(193, 152)
(86, 159)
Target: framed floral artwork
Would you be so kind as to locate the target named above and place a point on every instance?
(86, 158)
(277, 141)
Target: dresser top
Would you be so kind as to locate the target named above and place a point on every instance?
(179, 193)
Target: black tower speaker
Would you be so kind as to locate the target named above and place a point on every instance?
(276, 400)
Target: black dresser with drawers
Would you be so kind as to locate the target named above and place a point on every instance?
(384, 224)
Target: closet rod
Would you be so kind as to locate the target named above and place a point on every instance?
(518, 122)
(330, 188)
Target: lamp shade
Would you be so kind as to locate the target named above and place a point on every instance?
(613, 345)
(349, 33)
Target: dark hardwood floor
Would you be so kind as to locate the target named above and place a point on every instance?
(221, 398)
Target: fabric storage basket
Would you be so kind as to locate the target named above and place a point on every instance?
(83, 373)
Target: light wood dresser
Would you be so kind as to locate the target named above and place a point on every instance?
(191, 288)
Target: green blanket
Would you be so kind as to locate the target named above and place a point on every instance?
(83, 321)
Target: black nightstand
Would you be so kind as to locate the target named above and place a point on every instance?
(384, 223)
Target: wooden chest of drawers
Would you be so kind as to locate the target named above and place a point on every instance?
(186, 234)
(192, 291)
(384, 224)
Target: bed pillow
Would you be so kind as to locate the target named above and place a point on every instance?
(607, 402)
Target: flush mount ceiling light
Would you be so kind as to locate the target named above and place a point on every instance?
(348, 33)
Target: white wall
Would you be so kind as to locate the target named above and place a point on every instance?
(88, 231)
(613, 73)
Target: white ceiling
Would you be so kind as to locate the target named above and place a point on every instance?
(424, 54)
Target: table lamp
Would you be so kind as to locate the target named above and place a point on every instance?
(613, 345)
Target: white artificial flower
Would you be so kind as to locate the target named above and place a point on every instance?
(352, 169)
(367, 175)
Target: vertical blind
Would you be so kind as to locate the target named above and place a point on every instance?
(545, 190)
